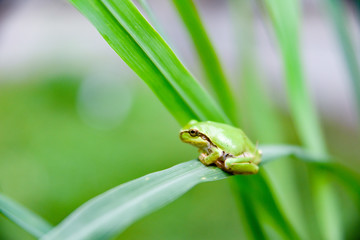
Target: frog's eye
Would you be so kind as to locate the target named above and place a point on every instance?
(193, 132)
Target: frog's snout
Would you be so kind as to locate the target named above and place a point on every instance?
(182, 136)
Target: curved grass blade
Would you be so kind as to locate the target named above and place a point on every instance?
(165, 60)
(149, 56)
(273, 152)
(210, 61)
(132, 54)
(285, 18)
(110, 213)
(23, 217)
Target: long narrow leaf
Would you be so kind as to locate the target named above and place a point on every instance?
(23, 217)
(111, 212)
(166, 61)
(149, 56)
(126, 47)
(210, 61)
(285, 16)
(285, 19)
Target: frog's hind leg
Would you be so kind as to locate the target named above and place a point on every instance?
(241, 165)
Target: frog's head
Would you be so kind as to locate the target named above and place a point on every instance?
(191, 134)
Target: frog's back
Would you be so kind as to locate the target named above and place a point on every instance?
(230, 139)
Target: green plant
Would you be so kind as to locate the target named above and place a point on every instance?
(144, 50)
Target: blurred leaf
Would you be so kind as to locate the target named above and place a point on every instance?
(111, 212)
(349, 179)
(266, 126)
(252, 225)
(273, 152)
(207, 54)
(338, 14)
(285, 18)
(268, 211)
(23, 217)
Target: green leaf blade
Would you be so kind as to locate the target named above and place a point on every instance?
(110, 213)
(285, 18)
(125, 46)
(267, 209)
(164, 58)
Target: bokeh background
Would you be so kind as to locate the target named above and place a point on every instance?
(76, 121)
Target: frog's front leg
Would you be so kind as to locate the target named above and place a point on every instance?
(243, 164)
(212, 157)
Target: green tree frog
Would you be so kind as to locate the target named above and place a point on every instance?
(223, 145)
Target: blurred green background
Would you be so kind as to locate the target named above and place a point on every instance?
(74, 122)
